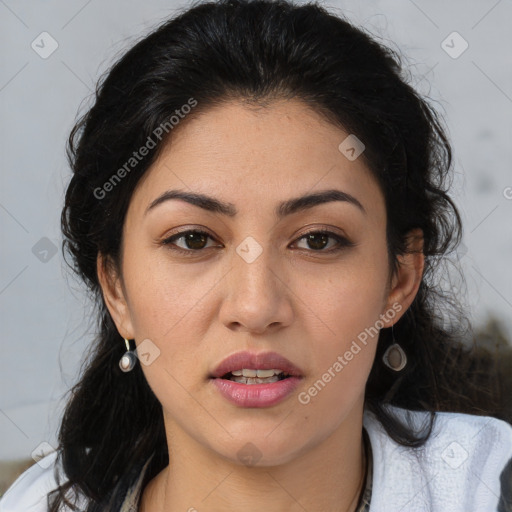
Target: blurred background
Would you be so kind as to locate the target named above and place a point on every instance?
(458, 53)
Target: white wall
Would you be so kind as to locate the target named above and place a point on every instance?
(44, 322)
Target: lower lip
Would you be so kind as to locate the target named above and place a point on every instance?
(256, 395)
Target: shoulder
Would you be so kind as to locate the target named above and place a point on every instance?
(29, 492)
(466, 462)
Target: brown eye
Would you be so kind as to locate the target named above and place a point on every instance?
(317, 241)
(194, 240)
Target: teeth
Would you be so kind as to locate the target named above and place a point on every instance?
(262, 374)
(249, 380)
(250, 376)
(267, 373)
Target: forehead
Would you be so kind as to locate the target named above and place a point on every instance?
(254, 157)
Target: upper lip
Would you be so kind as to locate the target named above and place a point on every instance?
(260, 361)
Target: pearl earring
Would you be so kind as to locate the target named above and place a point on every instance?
(127, 362)
(394, 357)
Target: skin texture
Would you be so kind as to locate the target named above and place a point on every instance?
(294, 299)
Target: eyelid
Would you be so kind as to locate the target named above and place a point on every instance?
(320, 230)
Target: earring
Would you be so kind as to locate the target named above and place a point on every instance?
(127, 362)
(394, 357)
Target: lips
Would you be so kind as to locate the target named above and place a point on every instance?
(259, 392)
(261, 361)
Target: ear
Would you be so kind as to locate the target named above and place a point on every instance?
(114, 295)
(406, 281)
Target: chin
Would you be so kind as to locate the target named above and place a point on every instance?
(260, 450)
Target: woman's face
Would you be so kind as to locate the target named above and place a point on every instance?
(255, 282)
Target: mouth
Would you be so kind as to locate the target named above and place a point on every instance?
(250, 376)
(256, 380)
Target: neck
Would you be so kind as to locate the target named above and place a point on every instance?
(327, 477)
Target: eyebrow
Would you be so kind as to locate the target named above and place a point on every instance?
(284, 209)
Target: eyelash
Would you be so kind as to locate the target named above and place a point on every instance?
(341, 241)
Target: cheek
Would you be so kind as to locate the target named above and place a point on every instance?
(164, 298)
(349, 304)
(169, 306)
(349, 300)
(343, 360)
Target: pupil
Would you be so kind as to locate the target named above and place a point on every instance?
(189, 239)
(323, 243)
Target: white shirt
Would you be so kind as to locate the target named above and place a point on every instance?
(457, 470)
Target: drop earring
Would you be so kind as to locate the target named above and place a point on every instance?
(394, 357)
(127, 362)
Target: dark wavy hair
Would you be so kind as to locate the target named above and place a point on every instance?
(257, 52)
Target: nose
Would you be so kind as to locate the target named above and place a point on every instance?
(257, 297)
